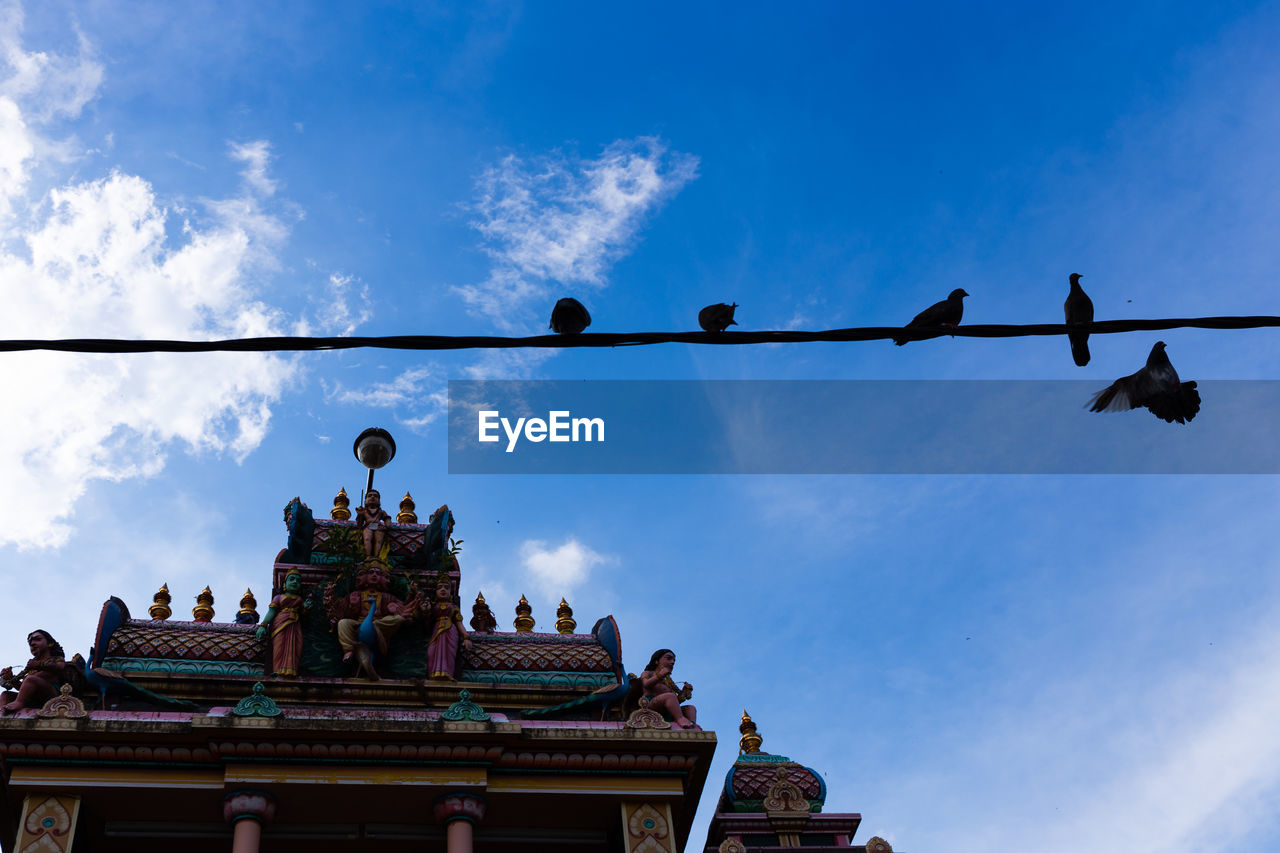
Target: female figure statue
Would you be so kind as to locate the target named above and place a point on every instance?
(284, 617)
(40, 679)
(445, 620)
(662, 694)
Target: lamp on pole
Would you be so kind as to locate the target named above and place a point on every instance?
(374, 448)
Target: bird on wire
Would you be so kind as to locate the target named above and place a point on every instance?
(717, 318)
(569, 317)
(1079, 309)
(1155, 387)
(945, 313)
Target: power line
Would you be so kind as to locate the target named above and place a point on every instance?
(619, 339)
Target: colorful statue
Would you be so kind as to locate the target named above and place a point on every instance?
(284, 617)
(371, 603)
(40, 680)
(662, 694)
(446, 631)
(372, 521)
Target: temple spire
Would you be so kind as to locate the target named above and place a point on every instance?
(750, 742)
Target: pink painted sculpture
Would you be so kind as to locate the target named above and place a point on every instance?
(662, 693)
(40, 680)
(284, 618)
(371, 599)
(372, 521)
(446, 631)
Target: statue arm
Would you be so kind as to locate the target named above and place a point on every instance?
(261, 633)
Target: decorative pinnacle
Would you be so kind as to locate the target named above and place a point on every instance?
(564, 618)
(248, 607)
(750, 742)
(524, 617)
(340, 504)
(160, 610)
(482, 619)
(406, 514)
(203, 611)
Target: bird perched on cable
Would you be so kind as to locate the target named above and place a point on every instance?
(569, 317)
(945, 313)
(1155, 387)
(717, 318)
(1079, 309)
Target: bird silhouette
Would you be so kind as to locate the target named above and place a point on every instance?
(945, 313)
(717, 318)
(1078, 309)
(1155, 387)
(602, 699)
(110, 683)
(569, 317)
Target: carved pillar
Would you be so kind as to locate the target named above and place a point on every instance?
(648, 828)
(247, 812)
(48, 823)
(459, 813)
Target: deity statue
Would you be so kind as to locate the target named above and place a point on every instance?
(284, 618)
(662, 694)
(372, 521)
(446, 631)
(369, 617)
(42, 677)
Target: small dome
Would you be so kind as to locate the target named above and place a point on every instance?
(747, 784)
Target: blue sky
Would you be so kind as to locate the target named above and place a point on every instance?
(974, 663)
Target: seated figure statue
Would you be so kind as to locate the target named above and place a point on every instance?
(661, 692)
(368, 618)
(42, 677)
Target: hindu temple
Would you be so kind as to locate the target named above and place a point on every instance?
(359, 708)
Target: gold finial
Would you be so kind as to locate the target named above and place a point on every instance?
(248, 613)
(406, 514)
(340, 504)
(203, 611)
(160, 610)
(564, 618)
(524, 617)
(750, 742)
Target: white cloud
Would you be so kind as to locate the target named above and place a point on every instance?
(92, 259)
(421, 389)
(566, 219)
(256, 157)
(559, 570)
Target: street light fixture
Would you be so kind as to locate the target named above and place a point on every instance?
(374, 448)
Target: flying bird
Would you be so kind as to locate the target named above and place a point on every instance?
(945, 313)
(569, 317)
(1155, 387)
(717, 318)
(1079, 309)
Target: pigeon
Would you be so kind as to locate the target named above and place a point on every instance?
(1155, 387)
(1079, 309)
(569, 317)
(717, 318)
(945, 313)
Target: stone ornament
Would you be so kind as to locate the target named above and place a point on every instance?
(876, 844)
(49, 824)
(465, 709)
(257, 704)
(785, 796)
(63, 705)
(648, 829)
(732, 845)
(254, 805)
(644, 717)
